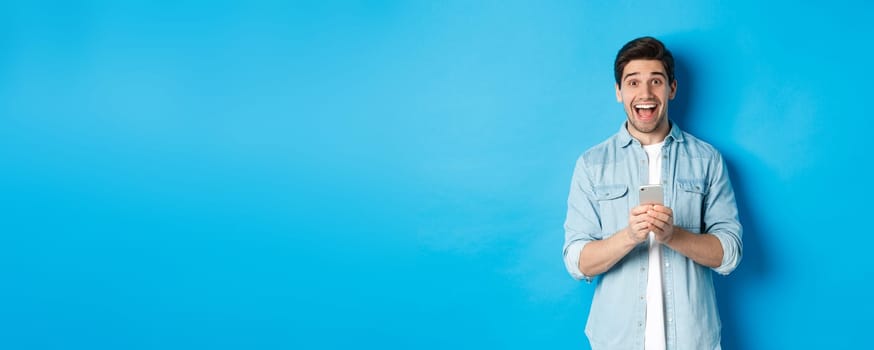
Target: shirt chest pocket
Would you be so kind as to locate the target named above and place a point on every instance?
(613, 207)
(689, 204)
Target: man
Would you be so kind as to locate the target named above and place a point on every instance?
(655, 288)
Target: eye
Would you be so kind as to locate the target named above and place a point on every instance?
(657, 82)
(631, 83)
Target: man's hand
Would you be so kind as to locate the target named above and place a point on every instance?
(639, 223)
(660, 221)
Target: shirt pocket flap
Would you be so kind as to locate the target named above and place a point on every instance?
(693, 185)
(608, 192)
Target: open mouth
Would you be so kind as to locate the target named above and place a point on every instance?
(645, 110)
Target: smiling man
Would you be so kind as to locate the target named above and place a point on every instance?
(653, 261)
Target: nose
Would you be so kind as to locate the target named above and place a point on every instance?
(648, 90)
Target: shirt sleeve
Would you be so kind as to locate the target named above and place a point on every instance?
(721, 218)
(572, 260)
(582, 224)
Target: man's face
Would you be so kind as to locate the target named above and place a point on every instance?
(644, 92)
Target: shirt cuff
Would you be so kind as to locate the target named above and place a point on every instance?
(730, 254)
(572, 260)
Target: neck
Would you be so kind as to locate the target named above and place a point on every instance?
(652, 137)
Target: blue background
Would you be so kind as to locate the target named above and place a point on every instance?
(318, 175)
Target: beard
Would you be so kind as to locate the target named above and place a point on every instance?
(645, 128)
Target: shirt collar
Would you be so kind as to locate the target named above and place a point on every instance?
(625, 138)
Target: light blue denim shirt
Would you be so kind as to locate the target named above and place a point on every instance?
(603, 190)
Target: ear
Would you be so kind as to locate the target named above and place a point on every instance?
(619, 94)
(673, 89)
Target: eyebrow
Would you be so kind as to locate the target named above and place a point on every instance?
(636, 73)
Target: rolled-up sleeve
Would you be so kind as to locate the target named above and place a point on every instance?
(582, 224)
(721, 218)
(572, 259)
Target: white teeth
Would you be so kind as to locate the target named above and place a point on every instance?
(644, 106)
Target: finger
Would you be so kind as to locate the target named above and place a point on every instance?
(640, 209)
(635, 233)
(654, 229)
(642, 229)
(660, 234)
(663, 209)
(660, 216)
(662, 225)
(645, 217)
(639, 227)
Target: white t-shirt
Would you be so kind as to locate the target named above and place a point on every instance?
(654, 338)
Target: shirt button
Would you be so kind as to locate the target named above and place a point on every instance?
(667, 264)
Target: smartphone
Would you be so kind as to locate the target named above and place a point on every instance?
(651, 194)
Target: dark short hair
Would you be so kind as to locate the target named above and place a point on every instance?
(644, 48)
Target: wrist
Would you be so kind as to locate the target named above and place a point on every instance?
(629, 238)
(673, 238)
